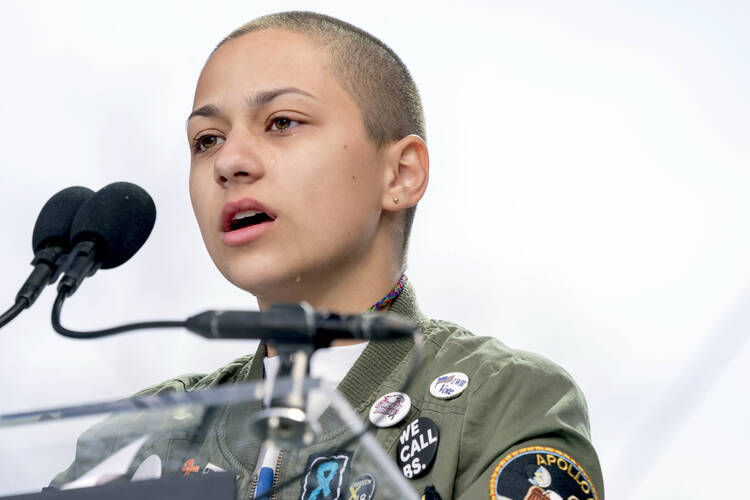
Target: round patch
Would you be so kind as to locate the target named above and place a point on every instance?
(390, 409)
(417, 447)
(540, 473)
(362, 488)
(449, 386)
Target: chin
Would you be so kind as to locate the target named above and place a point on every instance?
(260, 278)
(274, 276)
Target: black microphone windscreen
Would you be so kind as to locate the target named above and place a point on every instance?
(52, 226)
(119, 217)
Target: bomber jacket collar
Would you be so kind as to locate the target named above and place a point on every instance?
(374, 365)
(379, 359)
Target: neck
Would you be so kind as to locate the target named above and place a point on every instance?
(346, 286)
(338, 342)
(343, 296)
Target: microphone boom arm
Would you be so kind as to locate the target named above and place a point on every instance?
(296, 324)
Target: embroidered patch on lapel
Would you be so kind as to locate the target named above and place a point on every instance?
(326, 476)
(540, 473)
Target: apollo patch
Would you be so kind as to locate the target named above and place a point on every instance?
(326, 476)
(540, 473)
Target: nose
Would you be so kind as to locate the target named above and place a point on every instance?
(238, 161)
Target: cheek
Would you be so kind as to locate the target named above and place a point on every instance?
(341, 187)
(340, 198)
(200, 199)
(348, 164)
(195, 196)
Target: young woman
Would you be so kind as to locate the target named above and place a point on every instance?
(308, 160)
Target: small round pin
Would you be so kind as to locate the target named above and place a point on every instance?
(390, 409)
(450, 385)
(362, 488)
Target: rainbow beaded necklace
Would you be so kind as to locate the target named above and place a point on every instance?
(395, 292)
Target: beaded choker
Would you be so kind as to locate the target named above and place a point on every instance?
(395, 292)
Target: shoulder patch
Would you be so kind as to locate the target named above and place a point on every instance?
(540, 473)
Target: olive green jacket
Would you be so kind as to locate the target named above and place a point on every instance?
(514, 400)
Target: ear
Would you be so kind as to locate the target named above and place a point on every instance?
(406, 173)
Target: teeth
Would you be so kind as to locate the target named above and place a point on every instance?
(246, 213)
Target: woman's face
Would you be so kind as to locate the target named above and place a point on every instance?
(272, 131)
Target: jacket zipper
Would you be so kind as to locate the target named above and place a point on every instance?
(276, 472)
(253, 485)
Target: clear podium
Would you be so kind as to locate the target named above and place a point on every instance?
(199, 445)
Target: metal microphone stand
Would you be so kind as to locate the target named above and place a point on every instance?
(285, 421)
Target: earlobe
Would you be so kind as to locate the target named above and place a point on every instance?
(407, 173)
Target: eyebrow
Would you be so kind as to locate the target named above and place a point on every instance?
(259, 99)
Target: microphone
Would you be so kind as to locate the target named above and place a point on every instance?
(50, 241)
(298, 324)
(108, 229)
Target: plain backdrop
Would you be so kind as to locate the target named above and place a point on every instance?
(588, 201)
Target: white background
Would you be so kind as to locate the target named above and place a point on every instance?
(588, 201)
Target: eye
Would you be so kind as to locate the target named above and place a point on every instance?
(206, 142)
(281, 123)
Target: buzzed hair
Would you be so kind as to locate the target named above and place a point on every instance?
(374, 76)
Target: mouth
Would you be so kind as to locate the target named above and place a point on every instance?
(244, 220)
(248, 218)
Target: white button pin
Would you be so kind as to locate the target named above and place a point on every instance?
(390, 409)
(449, 386)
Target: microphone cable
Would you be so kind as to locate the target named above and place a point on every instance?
(13, 311)
(93, 334)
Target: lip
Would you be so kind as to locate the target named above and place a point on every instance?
(246, 234)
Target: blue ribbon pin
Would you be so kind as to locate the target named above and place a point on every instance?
(326, 473)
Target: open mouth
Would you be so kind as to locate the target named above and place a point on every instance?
(248, 218)
(244, 220)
